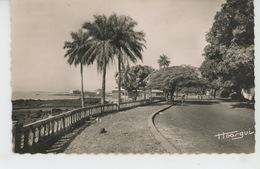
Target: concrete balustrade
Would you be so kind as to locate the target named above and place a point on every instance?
(34, 136)
(132, 104)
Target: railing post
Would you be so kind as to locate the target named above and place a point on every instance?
(26, 139)
(64, 123)
(34, 140)
(17, 133)
(71, 119)
(41, 128)
(52, 127)
(45, 131)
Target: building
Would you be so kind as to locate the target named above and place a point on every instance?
(155, 93)
(249, 93)
(141, 94)
(124, 93)
(74, 92)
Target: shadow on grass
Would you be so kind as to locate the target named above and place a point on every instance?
(244, 105)
(196, 102)
(160, 104)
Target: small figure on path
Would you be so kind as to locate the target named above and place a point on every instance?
(103, 130)
(183, 98)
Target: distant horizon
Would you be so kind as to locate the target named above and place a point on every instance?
(35, 91)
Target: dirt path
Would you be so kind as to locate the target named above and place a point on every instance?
(127, 132)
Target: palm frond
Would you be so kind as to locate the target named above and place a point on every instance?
(77, 48)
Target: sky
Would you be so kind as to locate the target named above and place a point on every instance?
(39, 29)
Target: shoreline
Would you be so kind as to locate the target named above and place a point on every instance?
(42, 103)
(29, 110)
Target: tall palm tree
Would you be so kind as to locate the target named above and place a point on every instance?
(100, 47)
(114, 36)
(76, 54)
(127, 41)
(163, 61)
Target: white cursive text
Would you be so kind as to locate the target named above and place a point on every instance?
(234, 134)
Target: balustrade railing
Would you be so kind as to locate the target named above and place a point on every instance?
(33, 136)
(128, 105)
(30, 137)
(132, 104)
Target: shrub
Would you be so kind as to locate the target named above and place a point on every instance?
(224, 93)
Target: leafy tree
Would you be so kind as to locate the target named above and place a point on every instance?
(200, 84)
(210, 67)
(163, 61)
(174, 79)
(76, 54)
(141, 73)
(139, 77)
(229, 55)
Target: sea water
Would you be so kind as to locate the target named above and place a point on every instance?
(43, 95)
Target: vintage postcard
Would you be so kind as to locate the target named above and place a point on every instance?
(137, 77)
(87, 78)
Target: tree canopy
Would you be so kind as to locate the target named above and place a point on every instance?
(175, 78)
(229, 55)
(140, 74)
(163, 61)
(111, 37)
(127, 77)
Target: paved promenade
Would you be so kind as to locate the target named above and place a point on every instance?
(208, 128)
(125, 132)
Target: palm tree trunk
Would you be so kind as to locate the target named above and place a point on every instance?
(214, 94)
(82, 88)
(144, 94)
(176, 92)
(103, 93)
(119, 82)
(125, 89)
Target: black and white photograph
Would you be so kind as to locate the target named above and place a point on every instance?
(133, 77)
(129, 84)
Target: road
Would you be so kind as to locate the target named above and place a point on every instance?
(198, 128)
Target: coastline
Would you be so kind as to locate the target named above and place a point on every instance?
(36, 95)
(29, 110)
